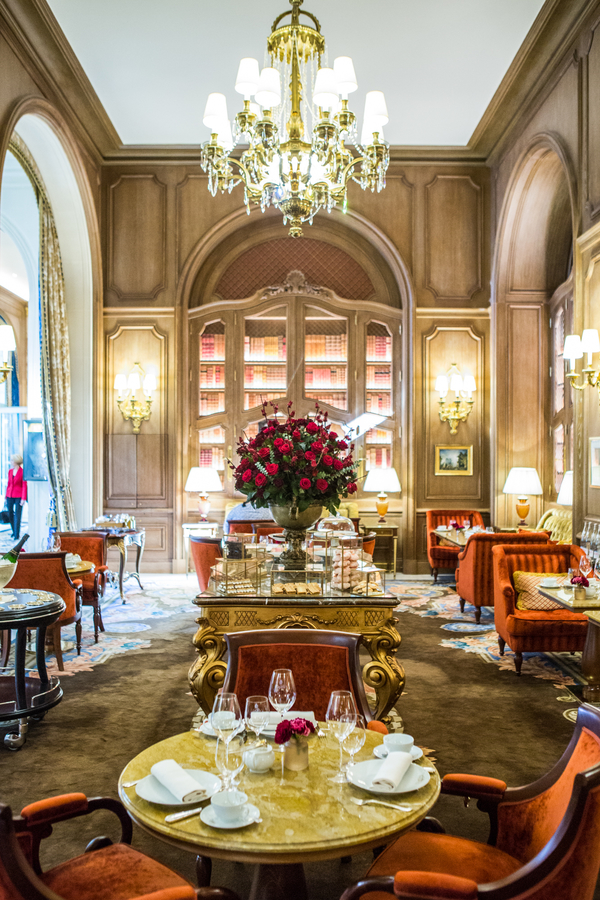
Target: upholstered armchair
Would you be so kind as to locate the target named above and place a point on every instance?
(527, 630)
(559, 522)
(441, 557)
(475, 572)
(106, 871)
(205, 551)
(322, 662)
(48, 572)
(263, 531)
(544, 841)
(91, 547)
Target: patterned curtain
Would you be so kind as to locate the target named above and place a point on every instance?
(54, 339)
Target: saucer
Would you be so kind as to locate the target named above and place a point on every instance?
(207, 729)
(381, 753)
(249, 815)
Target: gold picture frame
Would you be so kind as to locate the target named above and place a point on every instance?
(454, 459)
(595, 462)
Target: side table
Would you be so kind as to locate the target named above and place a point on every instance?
(386, 545)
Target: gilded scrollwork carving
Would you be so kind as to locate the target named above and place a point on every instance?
(207, 672)
(295, 620)
(384, 673)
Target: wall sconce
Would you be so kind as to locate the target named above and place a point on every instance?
(131, 408)
(7, 345)
(203, 479)
(574, 348)
(455, 411)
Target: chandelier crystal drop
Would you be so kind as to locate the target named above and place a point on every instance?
(299, 153)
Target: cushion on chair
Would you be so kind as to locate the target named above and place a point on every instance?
(526, 585)
(558, 622)
(117, 872)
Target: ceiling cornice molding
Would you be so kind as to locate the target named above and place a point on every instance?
(539, 57)
(35, 35)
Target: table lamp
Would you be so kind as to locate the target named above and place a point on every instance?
(382, 480)
(565, 495)
(203, 479)
(523, 482)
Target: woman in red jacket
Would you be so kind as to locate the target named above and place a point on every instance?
(16, 494)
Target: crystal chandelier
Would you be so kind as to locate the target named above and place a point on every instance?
(294, 154)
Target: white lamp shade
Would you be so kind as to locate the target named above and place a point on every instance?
(325, 93)
(268, 93)
(150, 383)
(203, 479)
(385, 480)
(224, 135)
(248, 77)
(376, 108)
(133, 382)
(120, 382)
(456, 382)
(523, 482)
(7, 338)
(469, 384)
(590, 342)
(370, 127)
(215, 111)
(441, 385)
(572, 349)
(565, 495)
(345, 76)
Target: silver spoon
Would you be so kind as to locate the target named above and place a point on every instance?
(401, 806)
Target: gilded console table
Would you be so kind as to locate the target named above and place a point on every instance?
(370, 617)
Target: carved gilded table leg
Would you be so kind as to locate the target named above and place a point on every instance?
(384, 673)
(207, 672)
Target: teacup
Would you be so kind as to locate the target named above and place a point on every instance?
(228, 805)
(394, 743)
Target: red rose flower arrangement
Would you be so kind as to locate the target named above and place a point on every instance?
(293, 728)
(295, 462)
(457, 527)
(580, 581)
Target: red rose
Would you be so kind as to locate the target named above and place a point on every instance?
(342, 445)
(312, 427)
(244, 463)
(247, 475)
(283, 732)
(351, 488)
(322, 485)
(296, 434)
(317, 445)
(338, 464)
(314, 463)
(272, 468)
(285, 447)
(333, 435)
(263, 452)
(278, 442)
(327, 460)
(261, 479)
(309, 455)
(305, 483)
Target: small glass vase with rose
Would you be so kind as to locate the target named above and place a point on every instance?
(292, 734)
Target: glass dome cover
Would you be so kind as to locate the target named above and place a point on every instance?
(336, 523)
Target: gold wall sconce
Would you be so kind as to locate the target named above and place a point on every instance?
(127, 386)
(455, 411)
(574, 348)
(7, 345)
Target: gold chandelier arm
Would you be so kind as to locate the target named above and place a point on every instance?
(572, 376)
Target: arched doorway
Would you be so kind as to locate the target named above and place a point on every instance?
(532, 298)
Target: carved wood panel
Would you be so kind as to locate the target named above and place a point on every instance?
(453, 236)
(137, 249)
(593, 125)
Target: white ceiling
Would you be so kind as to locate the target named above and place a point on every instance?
(152, 62)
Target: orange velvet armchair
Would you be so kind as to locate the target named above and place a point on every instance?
(445, 557)
(48, 572)
(205, 551)
(544, 841)
(531, 631)
(91, 547)
(475, 573)
(106, 871)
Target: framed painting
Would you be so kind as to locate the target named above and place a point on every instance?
(595, 462)
(452, 459)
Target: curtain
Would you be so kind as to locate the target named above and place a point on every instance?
(54, 341)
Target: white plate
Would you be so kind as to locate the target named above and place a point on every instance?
(271, 728)
(150, 789)
(443, 528)
(363, 773)
(380, 752)
(249, 815)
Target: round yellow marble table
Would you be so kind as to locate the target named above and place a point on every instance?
(81, 567)
(307, 818)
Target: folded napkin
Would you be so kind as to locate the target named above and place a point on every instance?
(73, 559)
(393, 769)
(180, 783)
(275, 717)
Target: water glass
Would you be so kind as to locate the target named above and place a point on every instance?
(466, 523)
(226, 718)
(256, 714)
(229, 760)
(341, 718)
(282, 695)
(354, 741)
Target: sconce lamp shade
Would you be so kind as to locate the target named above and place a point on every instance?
(203, 479)
(572, 349)
(441, 385)
(133, 382)
(120, 382)
(590, 342)
(248, 77)
(565, 495)
(150, 383)
(523, 482)
(379, 480)
(469, 384)
(7, 339)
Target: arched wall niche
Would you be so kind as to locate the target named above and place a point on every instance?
(533, 250)
(64, 172)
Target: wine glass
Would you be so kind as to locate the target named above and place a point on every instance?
(466, 523)
(229, 760)
(256, 714)
(54, 543)
(226, 718)
(282, 695)
(585, 567)
(355, 741)
(341, 718)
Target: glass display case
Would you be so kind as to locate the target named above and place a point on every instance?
(238, 576)
(308, 583)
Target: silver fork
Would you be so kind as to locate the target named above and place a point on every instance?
(401, 806)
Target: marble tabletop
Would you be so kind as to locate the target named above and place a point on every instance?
(308, 818)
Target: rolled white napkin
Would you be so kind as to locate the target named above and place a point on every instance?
(184, 788)
(275, 717)
(73, 559)
(393, 769)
